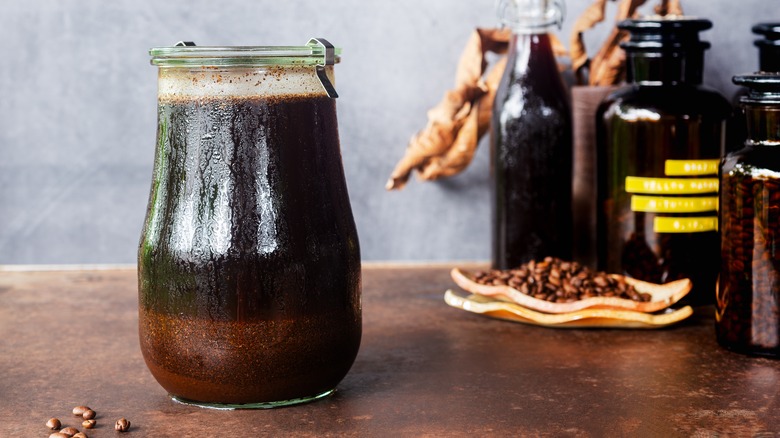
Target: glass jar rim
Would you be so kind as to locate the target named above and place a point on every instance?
(194, 56)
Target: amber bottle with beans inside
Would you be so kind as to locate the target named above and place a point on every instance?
(748, 298)
(660, 141)
(531, 143)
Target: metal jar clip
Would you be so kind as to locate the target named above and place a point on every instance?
(330, 59)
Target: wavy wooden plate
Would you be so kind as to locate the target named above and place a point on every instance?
(587, 318)
(663, 296)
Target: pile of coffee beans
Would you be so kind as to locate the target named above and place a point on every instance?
(88, 416)
(747, 303)
(560, 281)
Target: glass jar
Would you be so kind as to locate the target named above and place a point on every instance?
(531, 143)
(748, 298)
(249, 264)
(659, 143)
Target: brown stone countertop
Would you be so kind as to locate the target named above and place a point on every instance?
(424, 369)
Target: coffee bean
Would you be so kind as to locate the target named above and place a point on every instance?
(88, 414)
(80, 435)
(69, 431)
(53, 424)
(88, 424)
(555, 280)
(79, 410)
(59, 435)
(122, 425)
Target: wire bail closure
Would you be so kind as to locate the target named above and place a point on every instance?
(531, 15)
(329, 59)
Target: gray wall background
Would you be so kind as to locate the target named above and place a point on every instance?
(78, 108)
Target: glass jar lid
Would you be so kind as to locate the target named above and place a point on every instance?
(770, 33)
(202, 56)
(763, 87)
(665, 34)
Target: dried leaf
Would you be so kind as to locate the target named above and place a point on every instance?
(428, 148)
(477, 124)
(675, 8)
(608, 66)
(593, 15)
(669, 8)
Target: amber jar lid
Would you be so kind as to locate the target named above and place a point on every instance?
(678, 34)
(763, 87)
(770, 32)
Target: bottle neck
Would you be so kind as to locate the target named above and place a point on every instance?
(531, 16)
(530, 49)
(763, 123)
(654, 68)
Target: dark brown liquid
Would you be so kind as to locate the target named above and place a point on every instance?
(249, 265)
(531, 158)
(640, 128)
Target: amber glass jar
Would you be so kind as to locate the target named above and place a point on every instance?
(660, 140)
(531, 143)
(748, 299)
(248, 265)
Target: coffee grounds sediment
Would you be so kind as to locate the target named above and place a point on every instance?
(249, 362)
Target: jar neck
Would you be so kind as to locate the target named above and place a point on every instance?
(654, 68)
(763, 124)
(769, 58)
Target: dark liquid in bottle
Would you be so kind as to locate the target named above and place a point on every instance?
(531, 158)
(249, 266)
(648, 127)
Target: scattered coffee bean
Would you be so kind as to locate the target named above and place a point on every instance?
(122, 425)
(88, 424)
(80, 435)
(53, 424)
(79, 410)
(59, 435)
(69, 431)
(88, 414)
(559, 281)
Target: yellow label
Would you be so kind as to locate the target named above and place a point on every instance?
(691, 167)
(685, 224)
(671, 186)
(662, 204)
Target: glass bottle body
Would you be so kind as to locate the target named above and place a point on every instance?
(249, 264)
(748, 298)
(531, 157)
(657, 185)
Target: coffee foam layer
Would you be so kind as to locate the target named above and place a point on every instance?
(177, 83)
